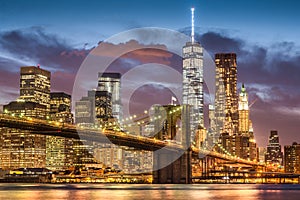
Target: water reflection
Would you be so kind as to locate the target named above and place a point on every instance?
(132, 192)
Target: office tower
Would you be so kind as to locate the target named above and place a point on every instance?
(243, 144)
(226, 103)
(94, 111)
(85, 111)
(60, 107)
(238, 145)
(21, 148)
(59, 150)
(193, 81)
(109, 85)
(111, 82)
(103, 105)
(35, 85)
(274, 154)
(20, 108)
(243, 109)
(292, 158)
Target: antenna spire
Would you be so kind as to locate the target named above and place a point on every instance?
(192, 33)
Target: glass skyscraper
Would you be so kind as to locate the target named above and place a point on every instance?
(111, 82)
(193, 80)
(226, 100)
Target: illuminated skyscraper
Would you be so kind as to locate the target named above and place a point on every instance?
(59, 150)
(193, 80)
(226, 101)
(103, 105)
(274, 153)
(292, 158)
(240, 146)
(243, 108)
(60, 107)
(111, 82)
(21, 149)
(35, 85)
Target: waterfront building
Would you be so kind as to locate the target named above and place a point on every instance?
(19, 148)
(240, 146)
(292, 158)
(274, 154)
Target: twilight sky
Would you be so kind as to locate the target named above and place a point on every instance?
(264, 33)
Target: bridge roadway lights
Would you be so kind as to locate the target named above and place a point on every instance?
(178, 172)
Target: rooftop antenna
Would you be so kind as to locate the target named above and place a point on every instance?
(192, 33)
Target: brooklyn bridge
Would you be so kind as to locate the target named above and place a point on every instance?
(177, 162)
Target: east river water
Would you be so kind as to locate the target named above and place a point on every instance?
(134, 191)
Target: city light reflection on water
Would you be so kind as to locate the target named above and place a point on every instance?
(129, 192)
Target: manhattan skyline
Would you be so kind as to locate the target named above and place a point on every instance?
(266, 46)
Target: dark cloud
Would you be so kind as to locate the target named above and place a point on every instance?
(145, 56)
(216, 42)
(34, 46)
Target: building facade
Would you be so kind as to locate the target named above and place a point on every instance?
(241, 146)
(243, 110)
(274, 154)
(226, 100)
(192, 54)
(19, 148)
(111, 82)
(60, 107)
(85, 111)
(35, 85)
(103, 105)
(59, 150)
(292, 158)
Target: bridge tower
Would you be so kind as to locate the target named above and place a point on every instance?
(172, 166)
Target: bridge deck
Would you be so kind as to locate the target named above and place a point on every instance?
(44, 127)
